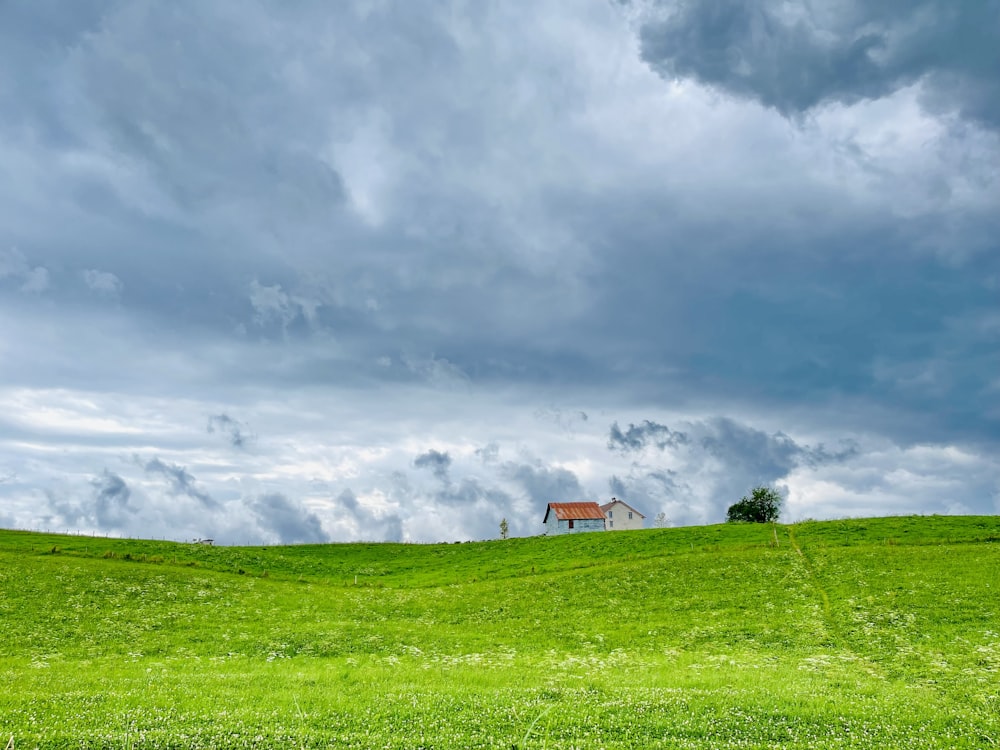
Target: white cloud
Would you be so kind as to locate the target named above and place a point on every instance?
(888, 480)
(102, 282)
(36, 281)
(14, 265)
(271, 304)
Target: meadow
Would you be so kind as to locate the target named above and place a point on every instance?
(868, 633)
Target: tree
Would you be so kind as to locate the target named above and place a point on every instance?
(661, 520)
(762, 506)
(504, 528)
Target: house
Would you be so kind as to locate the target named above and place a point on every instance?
(572, 518)
(621, 516)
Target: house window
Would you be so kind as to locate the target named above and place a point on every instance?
(612, 524)
(611, 514)
(630, 515)
(571, 523)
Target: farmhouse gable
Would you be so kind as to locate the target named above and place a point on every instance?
(621, 516)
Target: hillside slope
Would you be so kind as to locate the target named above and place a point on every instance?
(865, 633)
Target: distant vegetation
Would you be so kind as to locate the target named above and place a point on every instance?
(869, 633)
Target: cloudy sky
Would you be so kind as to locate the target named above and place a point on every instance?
(277, 272)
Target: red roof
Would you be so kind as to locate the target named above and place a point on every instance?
(574, 511)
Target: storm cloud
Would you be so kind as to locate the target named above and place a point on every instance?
(695, 472)
(436, 461)
(795, 58)
(111, 496)
(235, 432)
(545, 484)
(637, 437)
(288, 521)
(369, 524)
(354, 270)
(179, 480)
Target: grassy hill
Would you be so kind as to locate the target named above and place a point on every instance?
(862, 633)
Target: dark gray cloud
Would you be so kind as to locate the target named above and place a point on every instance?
(105, 505)
(469, 507)
(795, 57)
(235, 432)
(484, 506)
(436, 461)
(637, 437)
(111, 496)
(180, 481)
(700, 470)
(470, 492)
(771, 454)
(386, 527)
(758, 327)
(288, 521)
(545, 484)
(63, 513)
(666, 481)
(748, 450)
(655, 491)
(821, 454)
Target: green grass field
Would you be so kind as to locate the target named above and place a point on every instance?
(875, 633)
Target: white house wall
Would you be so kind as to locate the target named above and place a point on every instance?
(618, 520)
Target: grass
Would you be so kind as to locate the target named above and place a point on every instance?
(863, 633)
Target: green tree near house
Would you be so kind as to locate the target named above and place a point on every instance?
(504, 528)
(762, 505)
